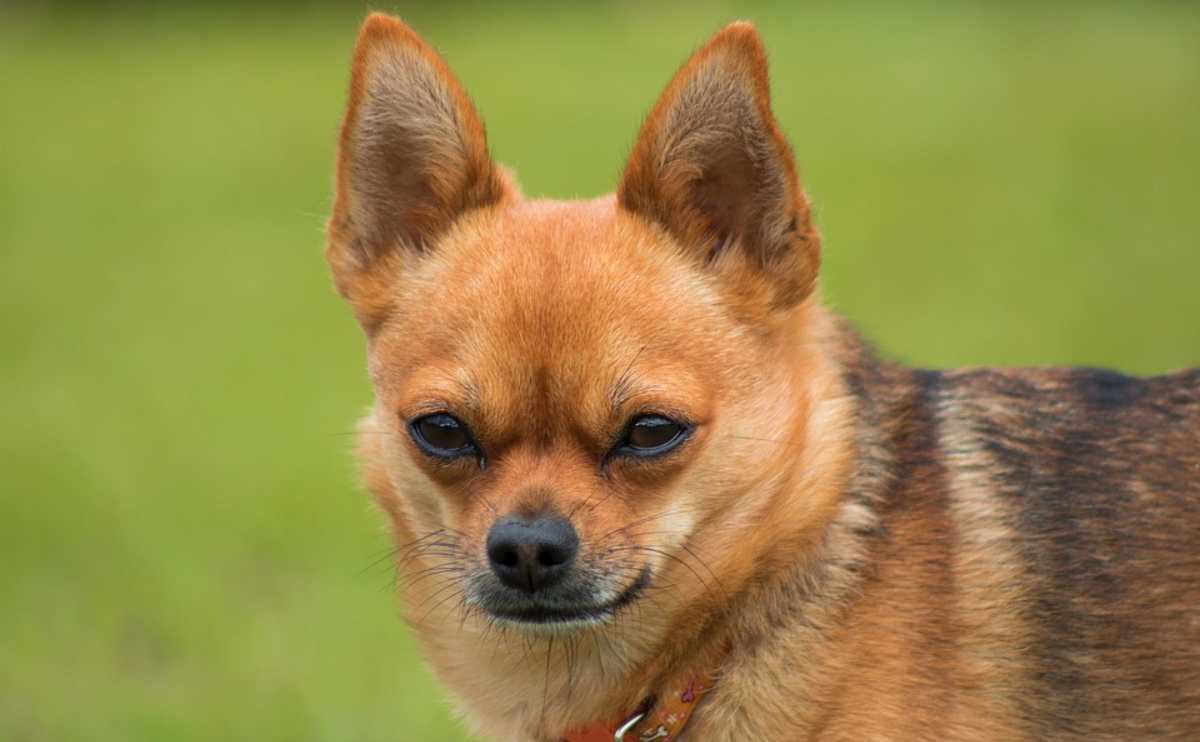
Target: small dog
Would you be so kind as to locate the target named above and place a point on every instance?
(644, 486)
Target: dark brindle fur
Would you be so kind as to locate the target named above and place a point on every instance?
(1063, 502)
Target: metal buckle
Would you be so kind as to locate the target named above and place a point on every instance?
(627, 727)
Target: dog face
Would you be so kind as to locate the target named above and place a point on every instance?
(573, 398)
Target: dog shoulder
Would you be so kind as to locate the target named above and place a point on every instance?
(1074, 500)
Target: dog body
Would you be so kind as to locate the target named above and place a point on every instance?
(622, 445)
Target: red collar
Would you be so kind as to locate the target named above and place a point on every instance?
(655, 720)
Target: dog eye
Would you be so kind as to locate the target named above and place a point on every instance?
(653, 435)
(442, 435)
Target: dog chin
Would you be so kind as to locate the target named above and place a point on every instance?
(536, 616)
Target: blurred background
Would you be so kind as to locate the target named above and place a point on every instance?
(184, 553)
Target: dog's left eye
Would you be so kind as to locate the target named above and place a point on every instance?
(652, 435)
(442, 435)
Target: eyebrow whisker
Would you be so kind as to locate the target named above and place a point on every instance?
(620, 390)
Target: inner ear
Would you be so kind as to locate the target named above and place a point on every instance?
(711, 166)
(721, 216)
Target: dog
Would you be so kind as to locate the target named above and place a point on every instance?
(644, 485)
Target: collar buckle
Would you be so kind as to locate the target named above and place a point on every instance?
(628, 725)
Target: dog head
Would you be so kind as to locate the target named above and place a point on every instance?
(579, 402)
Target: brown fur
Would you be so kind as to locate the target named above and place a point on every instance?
(861, 551)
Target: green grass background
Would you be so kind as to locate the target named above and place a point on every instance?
(182, 546)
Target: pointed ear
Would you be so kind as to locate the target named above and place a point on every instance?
(412, 158)
(711, 166)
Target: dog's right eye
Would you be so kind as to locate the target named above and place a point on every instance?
(442, 435)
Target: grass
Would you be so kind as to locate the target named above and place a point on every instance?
(182, 547)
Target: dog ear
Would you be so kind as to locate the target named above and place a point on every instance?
(711, 166)
(412, 158)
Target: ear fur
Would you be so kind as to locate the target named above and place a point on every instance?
(412, 158)
(712, 167)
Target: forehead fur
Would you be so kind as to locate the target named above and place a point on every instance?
(557, 297)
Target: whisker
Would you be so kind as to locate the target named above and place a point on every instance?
(440, 591)
(653, 516)
(672, 557)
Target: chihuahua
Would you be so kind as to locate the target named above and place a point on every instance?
(644, 485)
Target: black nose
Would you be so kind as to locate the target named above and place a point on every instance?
(531, 555)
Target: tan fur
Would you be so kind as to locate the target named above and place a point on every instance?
(846, 543)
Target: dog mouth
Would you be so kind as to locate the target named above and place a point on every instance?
(582, 613)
